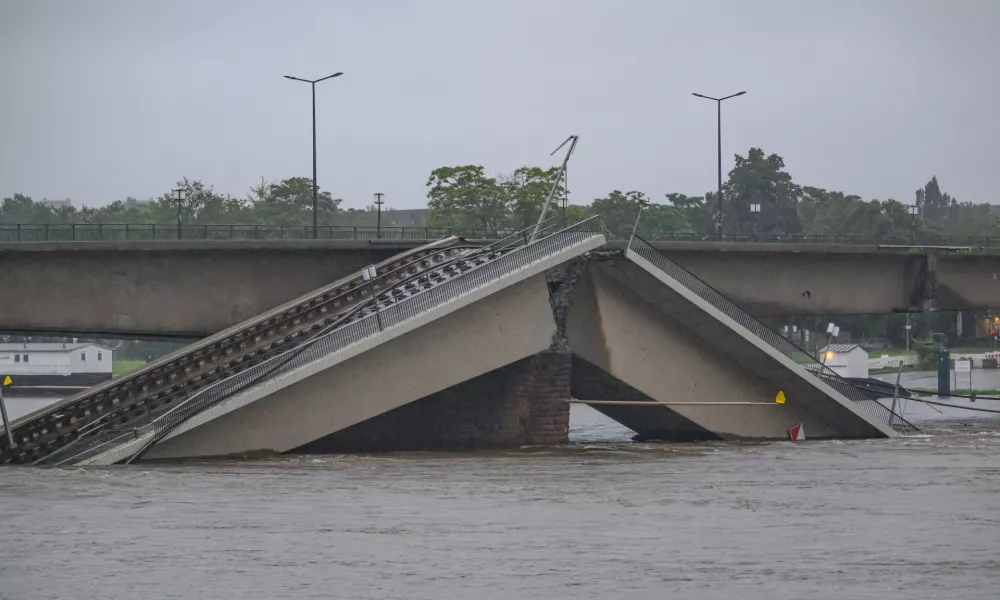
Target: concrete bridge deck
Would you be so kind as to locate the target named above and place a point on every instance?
(194, 289)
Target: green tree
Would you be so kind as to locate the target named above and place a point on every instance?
(698, 211)
(290, 202)
(464, 197)
(760, 179)
(619, 210)
(526, 190)
(932, 203)
(22, 209)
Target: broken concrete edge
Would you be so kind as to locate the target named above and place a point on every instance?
(284, 380)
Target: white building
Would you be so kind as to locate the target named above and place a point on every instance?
(846, 360)
(41, 363)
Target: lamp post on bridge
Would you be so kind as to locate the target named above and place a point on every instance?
(179, 196)
(914, 211)
(313, 83)
(755, 211)
(378, 222)
(718, 102)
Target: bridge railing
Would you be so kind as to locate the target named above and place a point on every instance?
(123, 232)
(518, 256)
(768, 335)
(900, 239)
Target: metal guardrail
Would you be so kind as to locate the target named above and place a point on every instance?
(515, 256)
(769, 336)
(902, 239)
(121, 232)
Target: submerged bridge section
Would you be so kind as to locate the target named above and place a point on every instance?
(660, 351)
(423, 321)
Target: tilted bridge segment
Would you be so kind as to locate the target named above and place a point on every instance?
(288, 345)
(445, 318)
(668, 356)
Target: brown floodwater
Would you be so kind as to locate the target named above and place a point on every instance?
(909, 518)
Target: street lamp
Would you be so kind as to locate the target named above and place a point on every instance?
(179, 196)
(755, 210)
(378, 223)
(718, 102)
(313, 83)
(914, 210)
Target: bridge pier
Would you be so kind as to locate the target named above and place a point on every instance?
(521, 404)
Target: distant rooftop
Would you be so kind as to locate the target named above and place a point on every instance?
(841, 347)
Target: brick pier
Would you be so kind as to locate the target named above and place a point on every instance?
(522, 404)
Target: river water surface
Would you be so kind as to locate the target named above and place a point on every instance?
(914, 518)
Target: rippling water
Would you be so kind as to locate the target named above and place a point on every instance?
(909, 518)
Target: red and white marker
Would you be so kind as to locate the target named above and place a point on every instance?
(797, 433)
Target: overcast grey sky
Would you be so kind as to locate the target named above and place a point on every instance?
(104, 99)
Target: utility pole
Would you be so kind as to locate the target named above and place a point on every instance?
(718, 102)
(378, 222)
(313, 83)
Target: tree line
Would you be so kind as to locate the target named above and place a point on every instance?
(464, 196)
(285, 202)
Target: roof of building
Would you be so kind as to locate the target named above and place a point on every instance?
(841, 347)
(48, 347)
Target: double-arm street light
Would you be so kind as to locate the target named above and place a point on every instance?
(313, 83)
(718, 102)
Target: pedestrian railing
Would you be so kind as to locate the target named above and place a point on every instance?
(114, 232)
(772, 338)
(895, 239)
(121, 232)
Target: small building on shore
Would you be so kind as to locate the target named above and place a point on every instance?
(55, 364)
(846, 360)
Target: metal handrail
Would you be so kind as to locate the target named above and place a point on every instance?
(769, 336)
(122, 232)
(323, 344)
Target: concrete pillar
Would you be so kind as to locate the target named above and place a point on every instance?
(521, 404)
